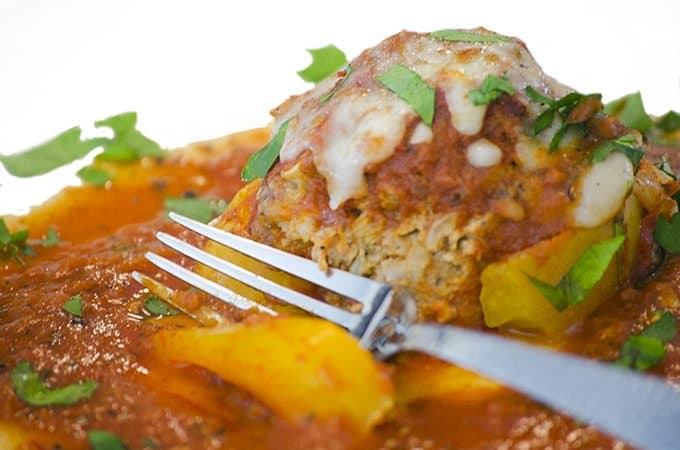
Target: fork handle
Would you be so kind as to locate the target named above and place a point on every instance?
(640, 409)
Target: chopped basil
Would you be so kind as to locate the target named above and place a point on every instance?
(58, 151)
(630, 111)
(666, 168)
(12, 245)
(51, 238)
(201, 209)
(260, 162)
(128, 143)
(669, 122)
(667, 233)
(628, 145)
(104, 440)
(94, 176)
(74, 306)
(408, 86)
(573, 288)
(537, 97)
(469, 36)
(492, 87)
(156, 307)
(31, 389)
(325, 61)
(645, 350)
(348, 71)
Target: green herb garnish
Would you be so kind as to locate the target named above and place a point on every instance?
(348, 71)
(94, 176)
(104, 440)
(13, 245)
(408, 86)
(492, 87)
(469, 36)
(669, 122)
(667, 233)
(201, 209)
(628, 145)
(573, 287)
(156, 307)
(51, 238)
(325, 61)
(630, 111)
(645, 350)
(74, 306)
(57, 152)
(260, 162)
(128, 143)
(31, 389)
(666, 168)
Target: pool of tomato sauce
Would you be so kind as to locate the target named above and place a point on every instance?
(104, 234)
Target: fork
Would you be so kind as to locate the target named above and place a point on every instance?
(640, 409)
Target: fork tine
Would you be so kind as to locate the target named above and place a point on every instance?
(358, 288)
(207, 286)
(309, 304)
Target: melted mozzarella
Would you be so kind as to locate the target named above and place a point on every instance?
(465, 116)
(602, 191)
(483, 153)
(421, 134)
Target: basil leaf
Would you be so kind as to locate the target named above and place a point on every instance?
(667, 234)
(408, 86)
(537, 97)
(74, 306)
(128, 143)
(156, 307)
(469, 36)
(669, 122)
(51, 238)
(325, 61)
(492, 87)
(338, 85)
(573, 287)
(630, 111)
(645, 350)
(664, 328)
(544, 120)
(201, 209)
(5, 235)
(58, 151)
(666, 168)
(557, 137)
(31, 389)
(94, 176)
(104, 440)
(260, 162)
(628, 145)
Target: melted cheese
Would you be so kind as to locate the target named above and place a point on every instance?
(483, 153)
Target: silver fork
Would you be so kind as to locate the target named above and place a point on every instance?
(640, 409)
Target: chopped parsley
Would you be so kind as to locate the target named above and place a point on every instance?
(628, 145)
(74, 306)
(104, 440)
(645, 350)
(260, 162)
(348, 71)
(667, 233)
(573, 287)
(51, 238)
(13, 245)
(94, 176)
(201, 209)
(630, 111)
(469, 36)
(492, 87)
(127, 144)
(408, 86)
(669, 122)
(325, 61)
(31, 389)
(156, 307)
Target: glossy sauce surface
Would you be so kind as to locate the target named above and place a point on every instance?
(105, 233)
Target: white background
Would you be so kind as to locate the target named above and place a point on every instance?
(199, 69)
